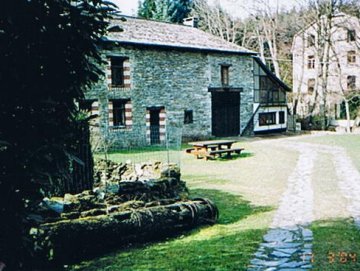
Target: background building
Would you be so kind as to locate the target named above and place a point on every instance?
(311, 52)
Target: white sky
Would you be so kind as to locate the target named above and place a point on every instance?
(238, 8)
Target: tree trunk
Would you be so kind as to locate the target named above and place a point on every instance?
(347, 110)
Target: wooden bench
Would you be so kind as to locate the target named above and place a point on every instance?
(190, 150)
(227, 151)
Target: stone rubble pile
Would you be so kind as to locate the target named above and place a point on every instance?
(129, 203)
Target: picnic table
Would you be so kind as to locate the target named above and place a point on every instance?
(211, 148)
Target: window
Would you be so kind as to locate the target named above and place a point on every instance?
(311, 85)
(351, 82)
(188, 117)
(351, 35)
(282, 96)
(311, 62)
(281, 117)
(118, 112)
(266, 91)
(86, 105)
(310, 40)
(224, 75)
(117, 72)
(267, 118)
(351, 57)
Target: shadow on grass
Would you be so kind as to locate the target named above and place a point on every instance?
(336, 245)
(225, 251)
(231, 207)
(235, 156)
(230, 252)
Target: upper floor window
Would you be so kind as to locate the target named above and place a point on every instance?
(267, 91)
(117, 71)
(351, 57)
(351, 35)
(311, 85)
(351, 82)
(311, 62)
(225, 75)
(310, 40)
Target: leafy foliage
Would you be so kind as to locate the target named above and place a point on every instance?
(49, 56)
(165, 10)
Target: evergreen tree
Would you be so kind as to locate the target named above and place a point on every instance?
(48, 57)
(165, 10)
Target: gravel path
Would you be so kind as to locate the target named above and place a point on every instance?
(288, 243)
(349, 183)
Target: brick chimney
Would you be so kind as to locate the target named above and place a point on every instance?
(191, 21)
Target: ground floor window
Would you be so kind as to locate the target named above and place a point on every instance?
(92, 108)
(267, 118)
(86, 105)
(188, 117)
(119, 112)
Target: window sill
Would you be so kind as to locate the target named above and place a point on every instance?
(121, 88)
(268, 124)
(119, 127)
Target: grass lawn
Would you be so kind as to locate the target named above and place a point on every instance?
(241, 187)
(336, 245)
(228, 245)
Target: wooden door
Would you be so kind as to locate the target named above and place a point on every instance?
(225, 114)
(155, 126)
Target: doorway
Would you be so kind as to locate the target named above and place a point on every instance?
(225, 114)
(154, 126)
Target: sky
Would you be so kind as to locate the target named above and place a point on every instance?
(238, 8)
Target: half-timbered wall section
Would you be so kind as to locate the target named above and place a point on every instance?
(270, 106)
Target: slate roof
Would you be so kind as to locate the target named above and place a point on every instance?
(154, 33)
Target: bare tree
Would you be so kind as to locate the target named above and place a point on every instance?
(216, 20)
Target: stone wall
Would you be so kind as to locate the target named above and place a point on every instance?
(176, 81)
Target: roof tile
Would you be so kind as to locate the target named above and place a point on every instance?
(141, 31)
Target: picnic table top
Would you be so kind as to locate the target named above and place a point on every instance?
(212, 142)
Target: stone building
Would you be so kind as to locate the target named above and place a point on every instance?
(344, 63)
(162, 77)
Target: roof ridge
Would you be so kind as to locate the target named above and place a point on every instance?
(152, 20)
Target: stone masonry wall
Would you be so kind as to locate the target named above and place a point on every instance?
(177, 81)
